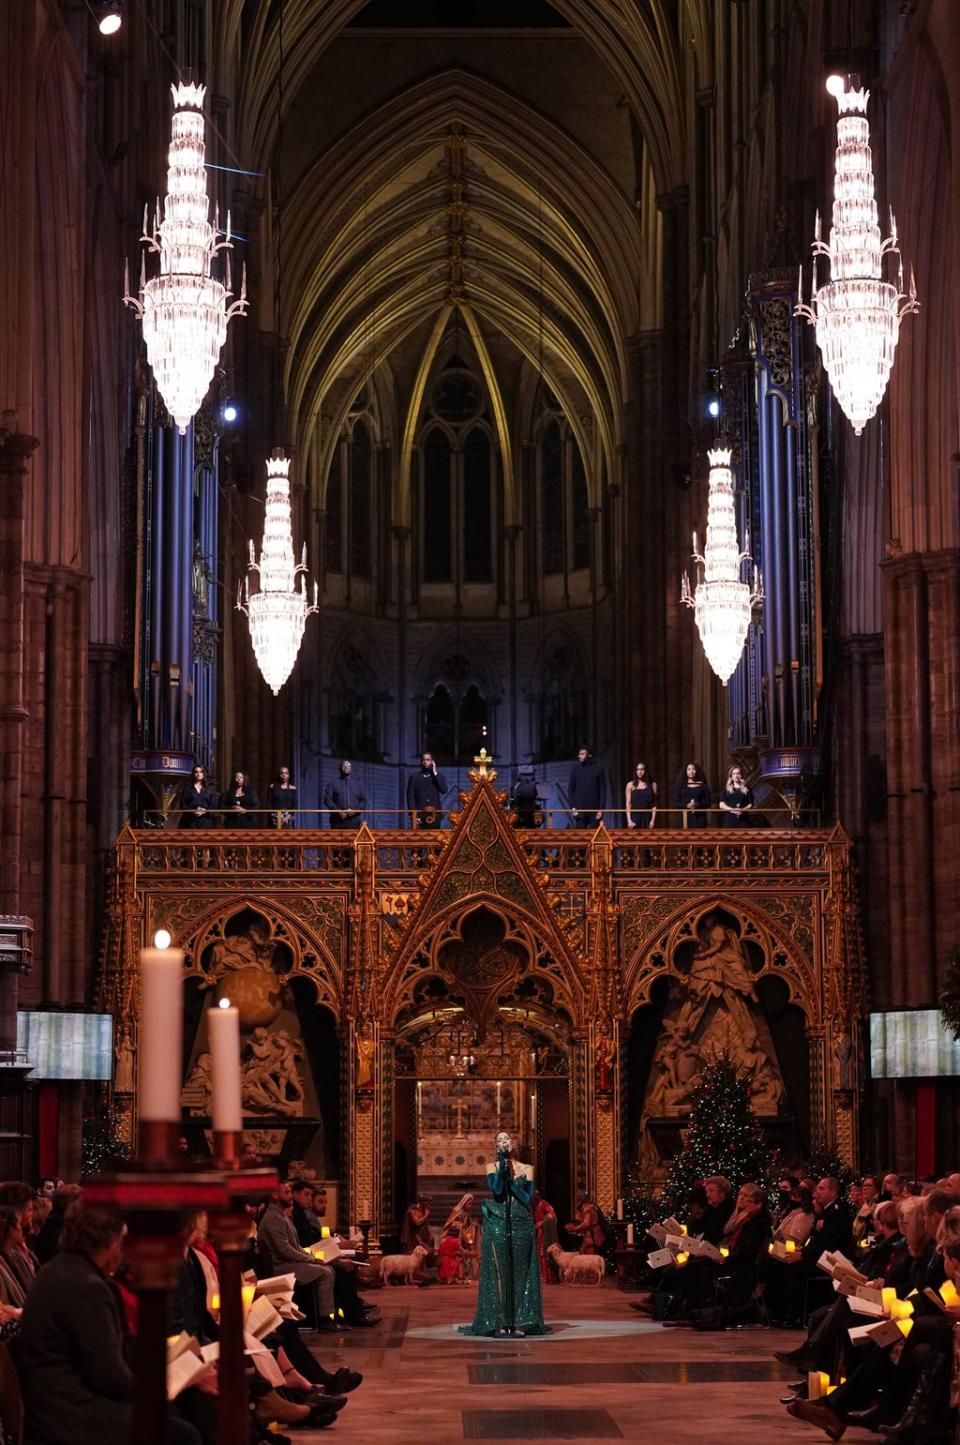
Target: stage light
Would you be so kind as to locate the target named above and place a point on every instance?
(111, 20)
(713, 406)
(230, 412)
(836, 84)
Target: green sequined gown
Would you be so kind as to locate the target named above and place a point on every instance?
(492, 1303)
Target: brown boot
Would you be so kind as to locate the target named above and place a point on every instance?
(816, 1413)
(272, 1407)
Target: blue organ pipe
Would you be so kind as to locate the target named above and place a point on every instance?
(156, 647)
(791, 676)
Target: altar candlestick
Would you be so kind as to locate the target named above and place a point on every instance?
(160, 1035)
(619, 1208)
(629, 1236)
(498, 1103)
(419, 1100)
(223, 1025)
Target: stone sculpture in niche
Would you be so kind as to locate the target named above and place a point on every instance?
(713, 1008)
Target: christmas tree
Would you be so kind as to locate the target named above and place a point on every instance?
(723, 1135)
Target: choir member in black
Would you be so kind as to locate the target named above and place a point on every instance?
(425, 790)
(526, 800)
(345, 798)
(737, 800)
(586, 791)
(282, 797)
(238, 803)
(641, 799)
(692, 793)
(198, 801)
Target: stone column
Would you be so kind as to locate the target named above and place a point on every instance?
(15, 451)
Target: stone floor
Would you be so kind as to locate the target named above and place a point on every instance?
(603, 1374)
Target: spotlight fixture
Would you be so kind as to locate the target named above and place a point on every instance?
(230, 412)
(713, 406)
(836, 84)
(110, 20)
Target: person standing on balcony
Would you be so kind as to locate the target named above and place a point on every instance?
(640, 799)
(346, 799)
(198, 801)
(587, 791)
(692, 794)
(425, 790)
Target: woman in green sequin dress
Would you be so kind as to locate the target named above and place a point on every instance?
(493, 1304)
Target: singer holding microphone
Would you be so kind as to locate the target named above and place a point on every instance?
(509, 1299)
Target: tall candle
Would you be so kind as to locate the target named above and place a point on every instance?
(619, 1208)
(629, 1235)
(223, 1031)
(160, 1035)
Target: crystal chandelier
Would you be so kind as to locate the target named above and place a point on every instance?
(857, 314)
(185, 309)
(278, 611)
(722, 604)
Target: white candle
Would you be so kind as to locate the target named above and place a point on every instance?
(629, 1234)
(364, 1209)
(419, 1099)
(619, 1208)
(498, 1102)
(223, 1031)
(161, 1032)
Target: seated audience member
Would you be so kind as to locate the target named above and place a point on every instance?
(282, 1253)
(18, 1258)
(797, 1222)
(720, 1206)
(693, 1284)
(893, 1185)
(12, 1292)
(308, 1229)
(869, 1199)
(827, 1340)
(281, 1396)
(47, 1241)
(76, 1382)
(908, 1385)
(831, 1230)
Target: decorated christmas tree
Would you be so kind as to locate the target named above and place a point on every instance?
(723, 1136)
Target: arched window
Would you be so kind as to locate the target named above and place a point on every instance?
(439, 732)
(354, 708)
(349, 506)
(361, 478)
(459, 475)
(472, 732)
(437, 517)
(334, 548)
(563, 704)
(564, 503)
(477, 549)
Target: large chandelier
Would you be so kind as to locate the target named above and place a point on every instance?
(185, 309)
(857, 314)
(278, 611)
(722, 604)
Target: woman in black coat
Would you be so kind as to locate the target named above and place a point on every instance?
(198, 801)
(76, 1382)
(692, 794)
(239, 803)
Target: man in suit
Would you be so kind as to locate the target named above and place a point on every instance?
(586, 791)
(425, 790)
(345, 798)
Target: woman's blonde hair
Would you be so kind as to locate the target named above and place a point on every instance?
(736, 768)
(913, 1223)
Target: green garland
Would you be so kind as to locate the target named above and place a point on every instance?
(950, 994)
